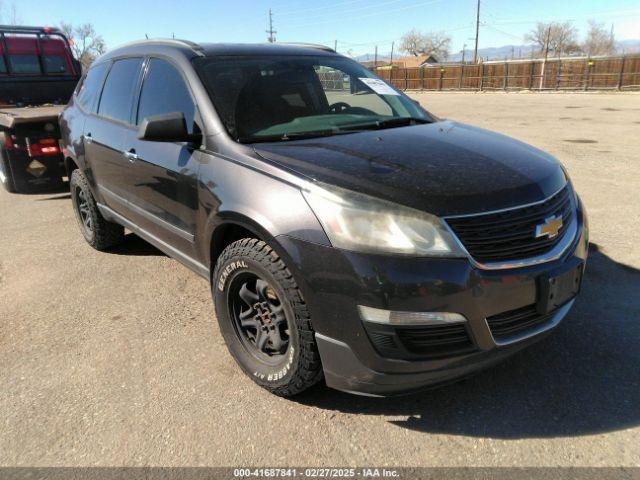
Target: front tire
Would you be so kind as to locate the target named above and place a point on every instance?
(264, 319)
(98, 232)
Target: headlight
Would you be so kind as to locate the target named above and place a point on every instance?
(358, 222)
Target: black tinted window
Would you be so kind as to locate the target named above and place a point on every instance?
(54, 64)
(90, 88)
(24, 64)
(118, 91)
(164, 91)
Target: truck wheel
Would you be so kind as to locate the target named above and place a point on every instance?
(98, 232)
(264, 319)
(6, 177)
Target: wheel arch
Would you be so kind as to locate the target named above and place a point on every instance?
(231, 226)
(70, 165)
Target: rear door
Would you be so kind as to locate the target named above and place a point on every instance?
(164, 174)
(105, 133)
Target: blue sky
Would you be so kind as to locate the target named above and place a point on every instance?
(357, 25)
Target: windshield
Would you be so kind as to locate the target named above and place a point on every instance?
(279, 98)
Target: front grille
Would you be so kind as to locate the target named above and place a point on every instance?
(513, 322)
(510, 235)
(436, 340)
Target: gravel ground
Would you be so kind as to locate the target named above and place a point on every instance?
(116, 358)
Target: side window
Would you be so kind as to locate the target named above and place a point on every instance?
(164, 91)
(90, 87)
(54, 64)
(118, 92)
(27, 64)
(3, 66)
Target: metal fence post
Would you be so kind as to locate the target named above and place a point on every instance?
(531, 67)
(587, 74)
(481, 76)
(440, 80)
(558, 72)
(506, 74)
(461, 76)
(621, 72)
(422, 78)
(406, 81)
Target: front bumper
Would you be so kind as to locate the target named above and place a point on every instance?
(335, 282)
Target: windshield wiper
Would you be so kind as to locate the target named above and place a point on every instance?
(293, 136)
(387, 123)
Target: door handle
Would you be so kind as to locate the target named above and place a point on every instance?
(88, 138)
(130, 155)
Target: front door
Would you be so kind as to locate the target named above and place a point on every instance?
(164, 188)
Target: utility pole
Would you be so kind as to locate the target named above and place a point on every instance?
(375, 58)
(335, 45)
(464, 47)
(611, 33)
(475, 50)
(391, 60)
(271, 31)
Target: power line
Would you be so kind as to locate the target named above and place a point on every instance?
(352, 10)
(384, 12)
(323, 7)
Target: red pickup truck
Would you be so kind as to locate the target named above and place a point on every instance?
(37, 77)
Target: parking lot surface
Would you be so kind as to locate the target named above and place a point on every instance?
(116, 358)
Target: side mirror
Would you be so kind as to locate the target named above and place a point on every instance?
(416, 102)
(166, 127)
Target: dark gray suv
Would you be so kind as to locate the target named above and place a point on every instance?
(347, 233)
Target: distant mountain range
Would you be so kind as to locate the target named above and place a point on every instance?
(505, 52)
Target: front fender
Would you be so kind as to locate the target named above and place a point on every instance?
(232, 193)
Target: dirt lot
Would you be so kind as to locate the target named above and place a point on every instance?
(116, 358)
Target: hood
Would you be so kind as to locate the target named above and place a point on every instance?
(444, 168)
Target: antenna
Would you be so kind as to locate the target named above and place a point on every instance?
(271, 31)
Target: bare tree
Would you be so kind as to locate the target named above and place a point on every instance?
(411, 43)
(599, 41)
(9, 13)
(86, 43)
(437, 44)
(562, 37)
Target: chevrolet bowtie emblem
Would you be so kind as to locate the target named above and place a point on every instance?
(550, 227)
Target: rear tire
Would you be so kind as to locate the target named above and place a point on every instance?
(6, 177)
(98, 232)
(264, 319)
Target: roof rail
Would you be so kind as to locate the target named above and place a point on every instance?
(167, 41)
(24, 29)
(308, 45)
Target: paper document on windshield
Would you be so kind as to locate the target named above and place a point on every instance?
(378, 86)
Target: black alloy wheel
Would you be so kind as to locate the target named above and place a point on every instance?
(259, 317)
(82, 207)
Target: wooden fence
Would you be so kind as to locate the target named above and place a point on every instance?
(610, 73)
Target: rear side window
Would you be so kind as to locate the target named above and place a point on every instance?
(118, 92)
(56, 57)
(90, 87)
(22, 51)
(26, 64)
(164, 91)
(3, 64)
(54, 64)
